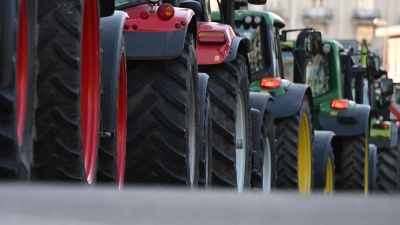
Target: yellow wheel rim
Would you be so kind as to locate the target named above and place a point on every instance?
(304, 160)
(329, 177)
(366, 159)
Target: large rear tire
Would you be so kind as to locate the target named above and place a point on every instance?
(230, 109)
(68, 115)
(388, 170)
(354, 163)
(163, 120)
(18, 46)
(294, 149)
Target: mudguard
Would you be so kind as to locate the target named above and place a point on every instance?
(321, 150)
(391, 143)
(359, 125)
(289, 103)
(213, 53)
(111, 39)
(256, 122)
(260, 101)
(203, 83)
(154, 38)
(372, 161)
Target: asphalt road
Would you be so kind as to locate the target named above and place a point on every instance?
(50, 205)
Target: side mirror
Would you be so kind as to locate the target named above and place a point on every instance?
(107, 7)
(257, 2)
(314, 43)
(386, 86)
(397, 95)
(193, 5)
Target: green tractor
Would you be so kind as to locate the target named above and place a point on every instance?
(292, 108)
(370, 86)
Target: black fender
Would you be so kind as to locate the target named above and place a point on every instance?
(260, 101)
(350, 123)
(164, 45)
(321, 151)
(238, 46)
(111, 40)
(203, 84)
(289, 103)
(372, 162)
(256, 121)
(388, 143)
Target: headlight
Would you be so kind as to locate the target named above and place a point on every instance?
(247, 19)
(327, 48)
(257, 19)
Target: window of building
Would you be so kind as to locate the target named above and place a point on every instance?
(366, 4)
(317, 3)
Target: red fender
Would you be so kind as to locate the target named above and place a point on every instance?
(151, 22)
(208, 54)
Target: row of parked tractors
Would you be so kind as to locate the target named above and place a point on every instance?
(141, 92)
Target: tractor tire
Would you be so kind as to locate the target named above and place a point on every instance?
(265, 177)
(163, 120)
(354, 163)
(324, 175)
(388, 170)
(294, 149)
(231, 133)
(205, 155)
(18, 46)
(111, 157)
(68, 87)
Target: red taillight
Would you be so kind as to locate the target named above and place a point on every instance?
(270, 83)
(380, 126)
(216, 37)
(384, 126)
(144, 15)
(165, 11)
(340, 104)
(398, 123)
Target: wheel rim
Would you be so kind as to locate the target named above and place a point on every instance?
(192, 134)
(90, 86)
(366, 159)
(240, 143)
(121, 121)
(22, 71)
(267, 167)
(329, 177)
(304, 156)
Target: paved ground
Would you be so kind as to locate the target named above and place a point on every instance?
(33, 204)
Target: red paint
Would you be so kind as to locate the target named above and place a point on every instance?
(394, 112)
(22, 72)
(154, 23)
(270, 83)
(121, 121)
(90, 86)
(208, 54)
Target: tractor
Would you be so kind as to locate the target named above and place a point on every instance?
(370, 86)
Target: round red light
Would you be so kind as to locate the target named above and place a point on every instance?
(144, 15)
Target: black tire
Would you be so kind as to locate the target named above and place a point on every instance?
(267, 134)
(352, 168)
(110, 151)
(16, 149)
(205, 174)
(226, 81)
(59, 147)
(287, 148)
(321, 170)
(388, 170)
(162, 97)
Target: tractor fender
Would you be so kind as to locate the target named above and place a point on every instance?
(358, 125)
(321, 150)
(256, 122)
(216, 53)
(372, 162)
(260, 101)
(156, 39)
(203, 84)
(388, 143)
(289, 103)
(111, 39)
